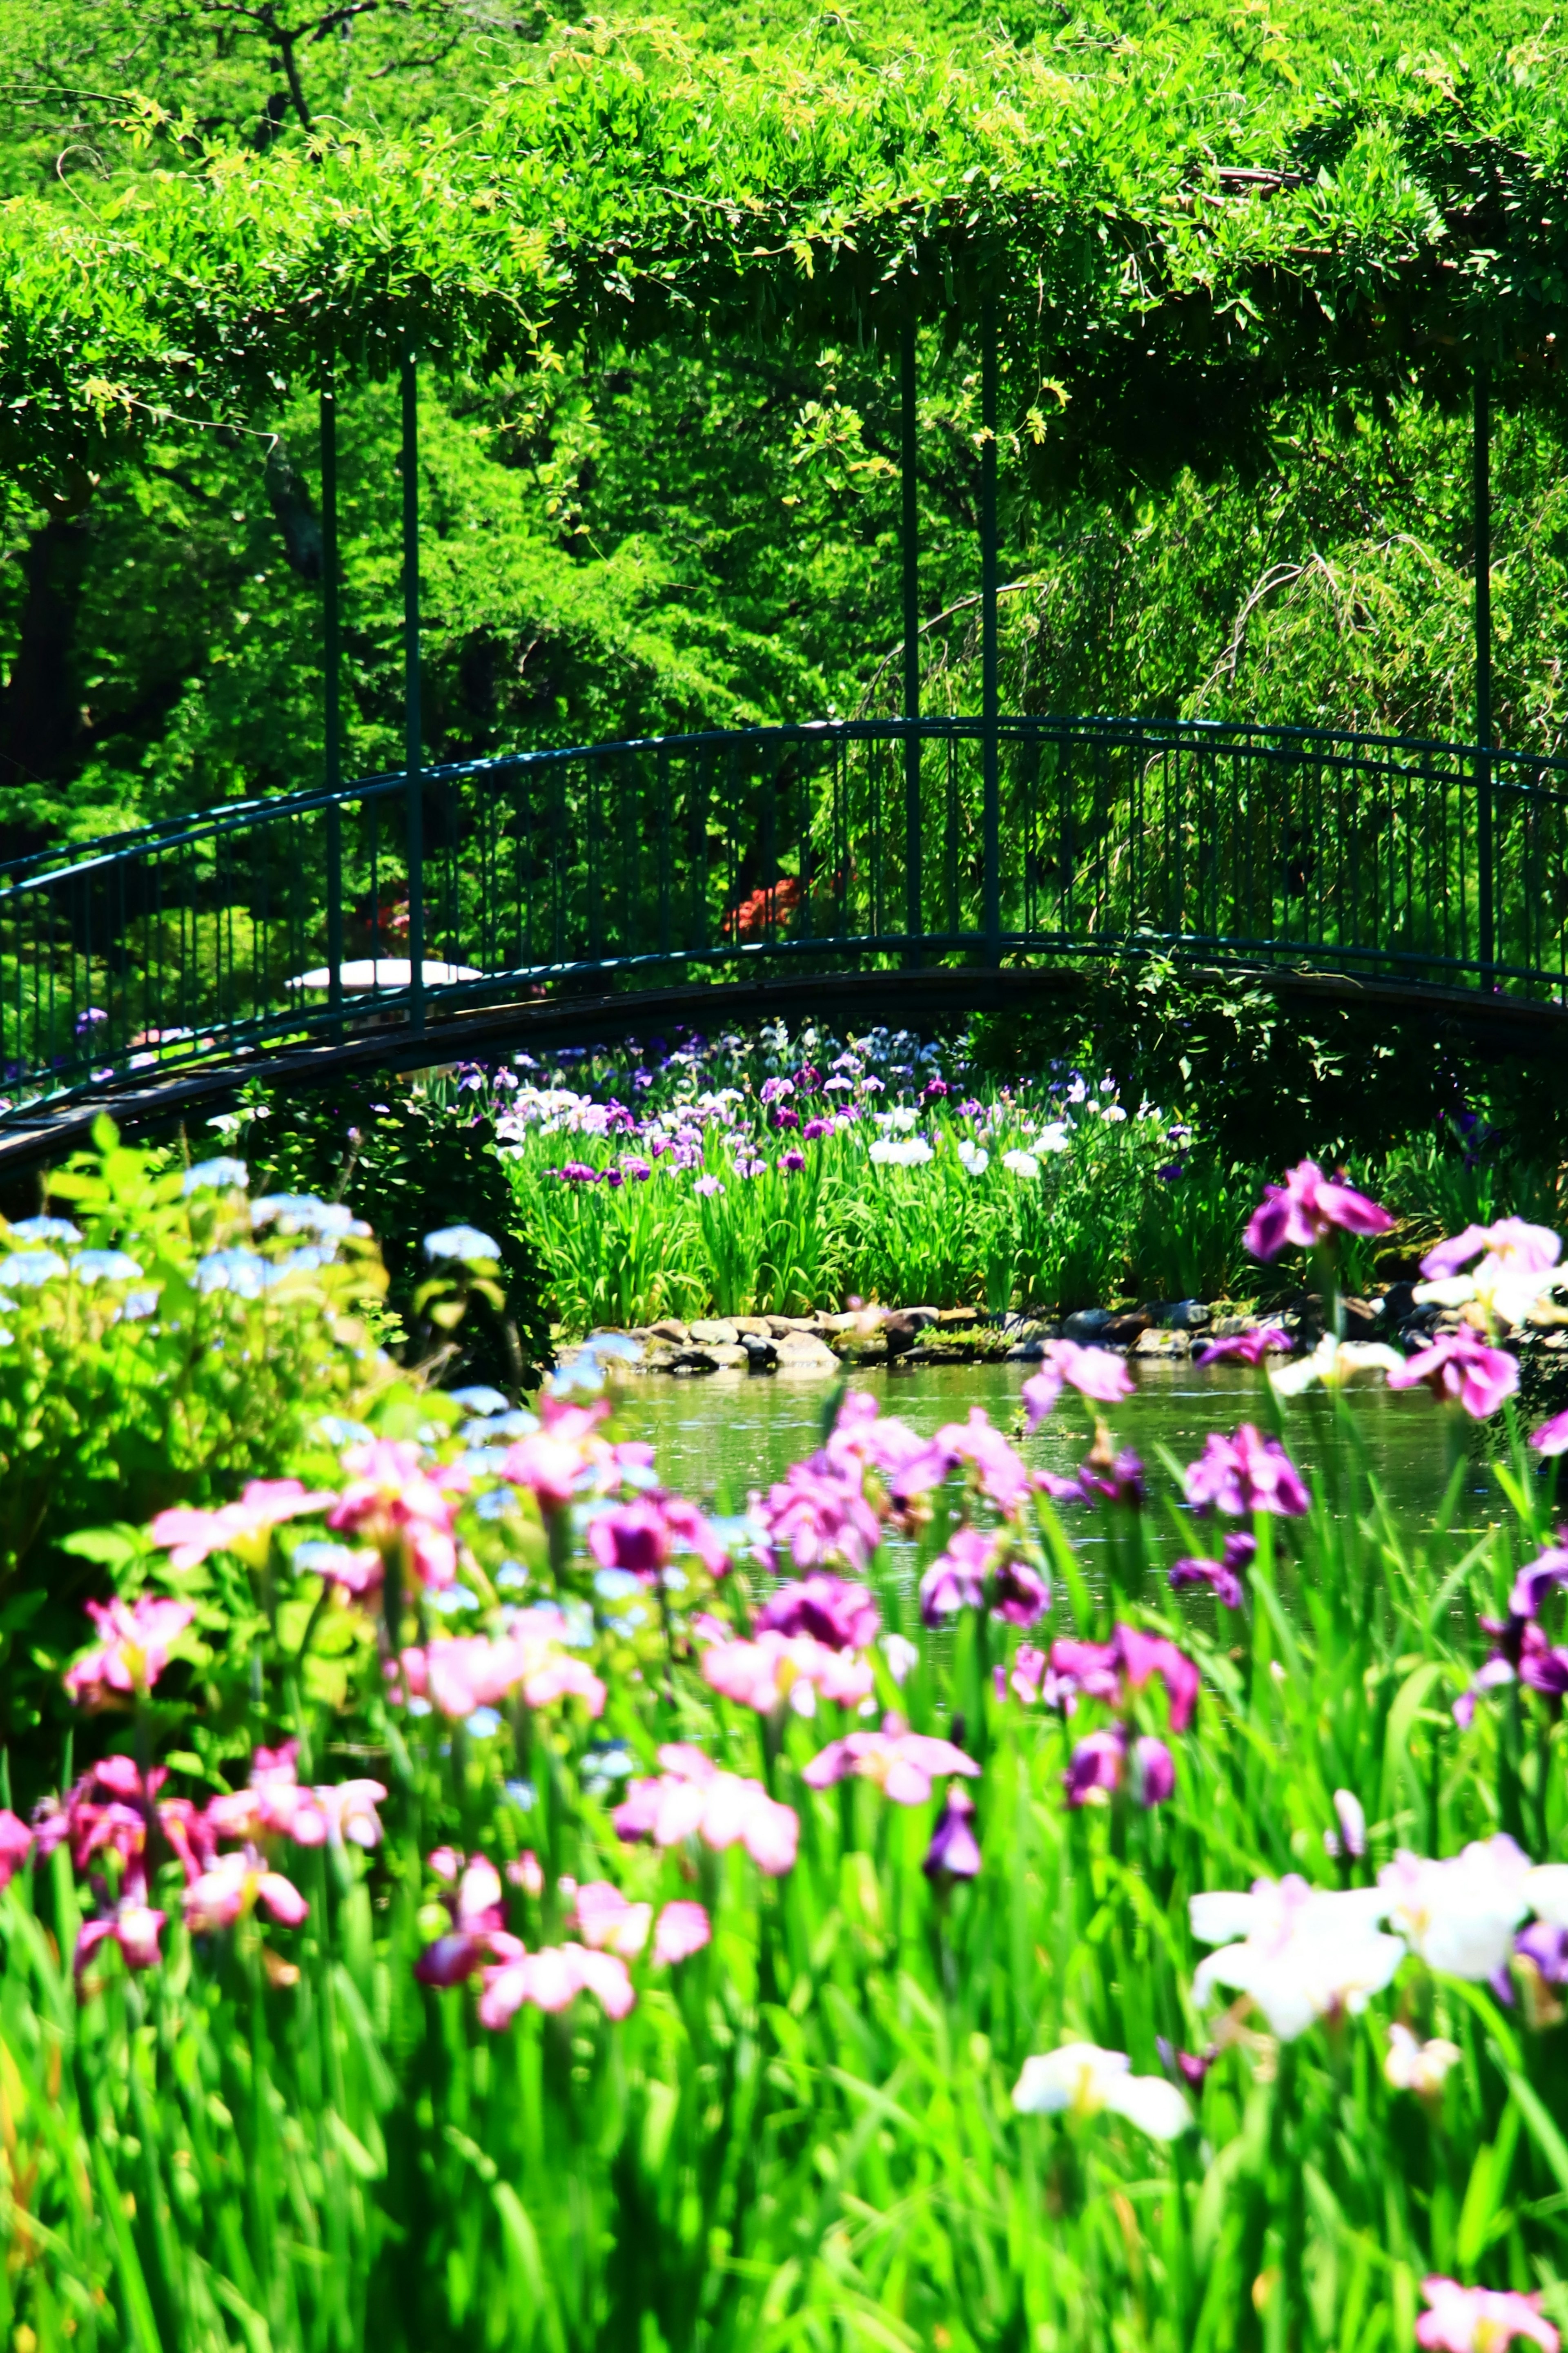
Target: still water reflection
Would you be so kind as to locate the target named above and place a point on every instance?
(716, 1439)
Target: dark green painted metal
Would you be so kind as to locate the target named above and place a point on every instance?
(1483, 537)
(990, 752)
(654, 864)
(413, 749)
(910, 435)
(331, 703)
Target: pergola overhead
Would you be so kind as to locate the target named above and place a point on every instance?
(1165, 262)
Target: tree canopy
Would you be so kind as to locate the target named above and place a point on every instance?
(1167, 255)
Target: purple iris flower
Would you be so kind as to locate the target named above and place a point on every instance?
(1244, 1474)
(792, 1160)
(1151, 1771)
(1095, 1764)
(814, 1129)
(785, 1118)
(830, 1609)
(1306, 1209)
(953, 1852)
(1547, 1948)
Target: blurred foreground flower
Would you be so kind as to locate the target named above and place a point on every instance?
(691, 1798)
(1244, 1474)
(551, 1980)
(902, 1764)
(953, 1852)
(1460, 1915)
(133, 1652)
(1307, 1209)
(244, 1529)
(1460, 1366)
(1334, 1364)
(1081, 2080)
(232, 1889)
(1248, 1348)
(15, 1846)
(1551, 1438)
(1412, 2066)
(1305, 1953)
(1095, 1373)
(1479, 2319)
(1516, 1267)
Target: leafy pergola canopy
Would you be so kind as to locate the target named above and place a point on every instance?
(1165, 260)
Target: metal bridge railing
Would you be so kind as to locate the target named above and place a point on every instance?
(830, 845)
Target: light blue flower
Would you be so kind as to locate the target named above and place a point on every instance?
(304, 1212)
(35, 1231)
(483, 1725)
(220, 1176)
(464, 1242)
(105, 1266)
(511, 1576)
(238, 1271)
(615, 1584)
(334, 1431)
(30, 1268)
(523, 1796)
(480, 1401)
(455, 1598)
(138, 1305)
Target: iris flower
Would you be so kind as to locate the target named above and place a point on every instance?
(1479, 2319)
(1082, 2080)
(1460, 1366)
(1307, 1209)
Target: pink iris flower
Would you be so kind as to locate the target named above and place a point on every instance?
(902, 1764)
(818, 1516)
(1095, 1373)
(1460, 1366)
(1306, 1209)
(244, 1527)
(402, 1507)
(681, 1930)
(477, 1919)
(15, 1846)
(273, 1804)
(608, 1922)
(1245, 1473)
(133, 1923)
(1536, 1579)
(978, 1564)
(1000, 1472)
(1249, 1348)
(556, 1461)
(863, 1439)
(132, 1653)
(1110, 1671)
(551, 1980)
(1479, 2319)
(233, 1888)
(1510, 1245)
(691, 1798)
(1551, 1438)
(778, 1668)
(844, 1616)
(350, 1810)
(472, 1671)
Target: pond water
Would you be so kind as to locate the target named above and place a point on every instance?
(716, 1439)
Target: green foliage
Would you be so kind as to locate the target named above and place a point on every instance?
(805, 2132)
(162, 1380)
(1271, 1074)
(414, 1159)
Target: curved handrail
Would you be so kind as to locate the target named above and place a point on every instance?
(831, 845)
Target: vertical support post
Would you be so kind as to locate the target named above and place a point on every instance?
(1483, 538)
(913, 925)
(416, 819)
(989, 751)
(331, 663)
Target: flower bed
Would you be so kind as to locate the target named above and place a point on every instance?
(487, 1901)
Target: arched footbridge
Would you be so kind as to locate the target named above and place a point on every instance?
(900, 870)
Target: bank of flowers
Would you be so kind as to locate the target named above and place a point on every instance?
(484, 1898)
